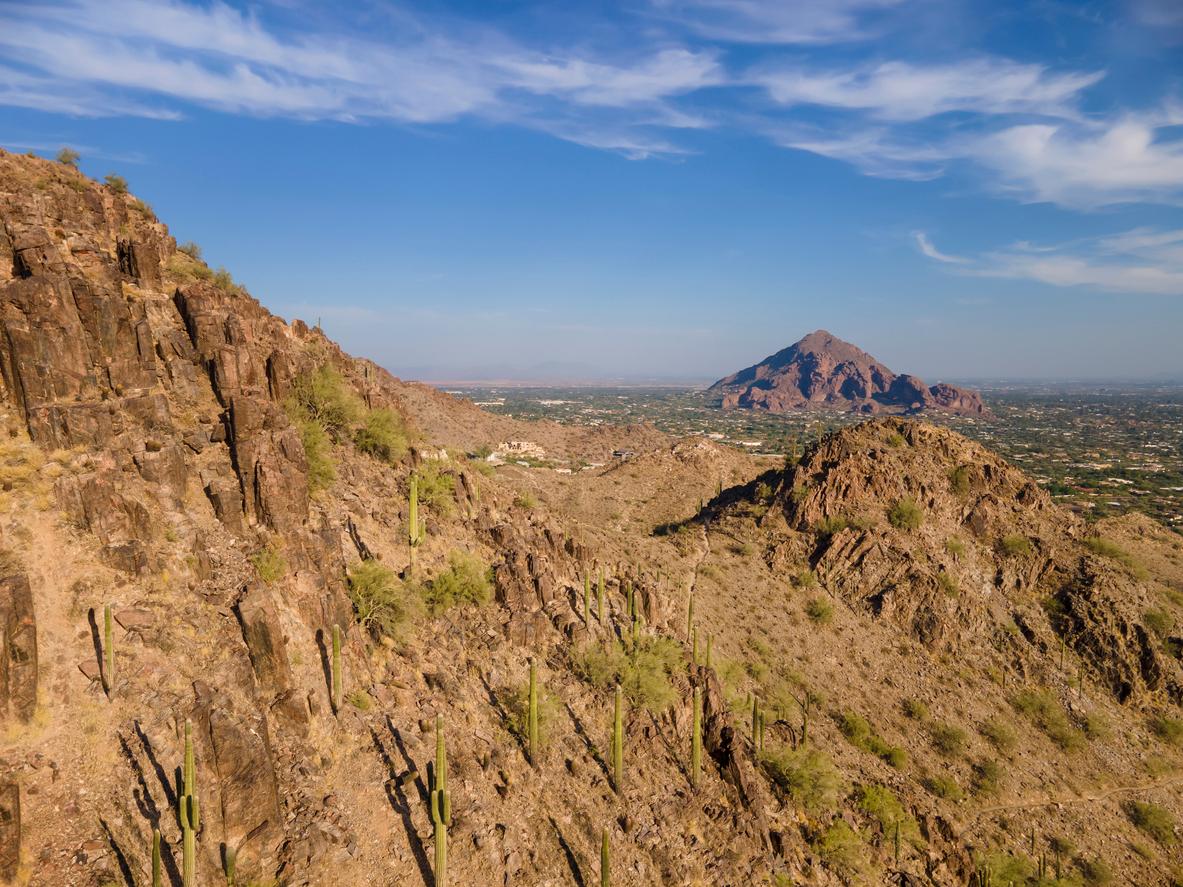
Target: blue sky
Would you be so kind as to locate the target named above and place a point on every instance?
(670, 188)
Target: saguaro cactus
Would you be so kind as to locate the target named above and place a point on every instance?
(338, 676)
(414, 528)
(231, 865)
(804, 718)
(532, 715)
(618, 740)
(188, 849)
(694, 646)
(696, 738)
(157, 873)
(441, 805)
(108, 649)
(605, 860)
(190, 808)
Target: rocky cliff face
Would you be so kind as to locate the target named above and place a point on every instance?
(156, 391)
(821, 370)
(151, 461)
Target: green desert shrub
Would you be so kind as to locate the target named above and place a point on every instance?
(1160, 622)
(859, 732)
(820, 610)
(944, 787)
(805, 579)
(324, 397)
(1168, 729)
(1000, 734)
(1154, 820)
(318, 451)
(382, 435)
(1008, 868)
(947, 583)
(269, 564)
(116, 183)
(987, 775)
(383, 603)
(949, 740)
(360, 699)
(841, 848)
(525, 501)
(1096, 726)
(1094, 871)
(1047, 714)
(955, 546)
(895, 439)
(466, 580)
(645, 674)
(959, 480)
(906, 514)
(1016, 545)
(68, 157)
(191, 249)
(828, 526)
(807, 775)
(915, 709)
(437, 487)
(881, 804)
(1107, 548)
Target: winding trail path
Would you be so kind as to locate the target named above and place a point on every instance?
(1076, 799)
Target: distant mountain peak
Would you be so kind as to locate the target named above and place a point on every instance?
(822, 371)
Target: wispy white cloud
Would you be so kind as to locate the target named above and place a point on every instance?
(97, 58)
(1141, 260)
(778, 21)
(1126, 160)
(1019, 129)
(900, 91)
(925, 245)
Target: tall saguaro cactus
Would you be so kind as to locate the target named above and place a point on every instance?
(696, 738)
(157, 873)
(532, 715)
(605, 860)
(231, 865)
(441, 805)
(618, 740)
(338, 676)
(414, 528)
(108, 650)
(189, 810)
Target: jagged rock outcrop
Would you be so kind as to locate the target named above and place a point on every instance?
(18, 650)
(822, 371)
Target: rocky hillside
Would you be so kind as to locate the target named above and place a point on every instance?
(821, 370)
(910, 663)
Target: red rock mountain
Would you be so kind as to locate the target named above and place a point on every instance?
(823, 371)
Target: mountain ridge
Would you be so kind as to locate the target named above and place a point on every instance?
(822, 371)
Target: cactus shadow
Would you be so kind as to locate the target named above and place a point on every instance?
(96, 641)
(572, 862)
(503, 714)
(325, 667)
(582, 733)
(120, 856)
(402, 805)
